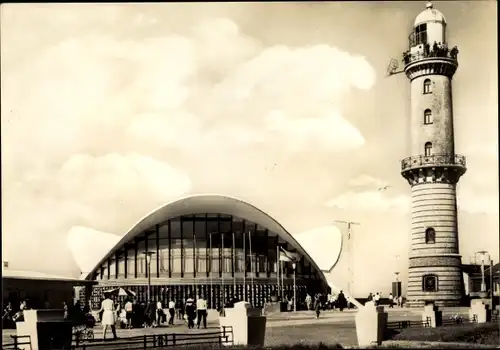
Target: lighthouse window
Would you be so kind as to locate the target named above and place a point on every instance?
(427, 86)
(428, 149)
(430, 283)
(427, 116)
(430, 236)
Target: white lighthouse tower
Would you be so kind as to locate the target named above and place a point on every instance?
(433, 169)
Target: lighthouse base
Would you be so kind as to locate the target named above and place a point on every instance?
(440, 303)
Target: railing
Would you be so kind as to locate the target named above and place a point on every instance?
(435, 159)
(431, 52)
(408, 324)
(224, 337)
(15, 345)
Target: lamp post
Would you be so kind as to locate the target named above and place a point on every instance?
(294, 265)
(484, 256)
(148, 269)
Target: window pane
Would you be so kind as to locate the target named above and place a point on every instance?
(164, 257)
(130, 263)
(201, 260)
(176, 258)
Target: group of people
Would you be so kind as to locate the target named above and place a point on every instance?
(393, 300)
(151, 315)
(323, 302)
(436, 50)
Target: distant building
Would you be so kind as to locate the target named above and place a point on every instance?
(42, 290)
(474, 277)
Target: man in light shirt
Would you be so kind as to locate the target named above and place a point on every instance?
(159, 313)
(201, 307)
(171, 311)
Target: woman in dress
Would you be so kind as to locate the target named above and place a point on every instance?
(108, 315)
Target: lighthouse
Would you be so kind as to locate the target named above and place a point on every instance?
(433, 169)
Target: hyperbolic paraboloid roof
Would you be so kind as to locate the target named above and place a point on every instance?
(201, 204)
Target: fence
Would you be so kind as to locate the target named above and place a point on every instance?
(396, 325)
(220, 337)
(408, 324)
(15, 345)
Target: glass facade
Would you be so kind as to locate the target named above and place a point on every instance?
(213, 254)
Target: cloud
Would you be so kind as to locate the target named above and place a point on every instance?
(367, 181)
(101, 126)
(327, 253)
(478, 203)
(370, 201)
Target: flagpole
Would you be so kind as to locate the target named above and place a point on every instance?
(211, 273)
(282, 281)
(251, 261)
(234, 270)
(277, 271)
(195, 265)
(222, 269)
(244, 267)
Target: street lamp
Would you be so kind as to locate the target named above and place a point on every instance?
(294, 265)
(148, 269)
(484, 256)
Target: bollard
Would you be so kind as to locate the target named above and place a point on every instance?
(371, 323)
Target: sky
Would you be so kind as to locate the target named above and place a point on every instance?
(112, 110)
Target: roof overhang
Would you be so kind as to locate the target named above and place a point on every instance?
(36, 276)
(200, 204)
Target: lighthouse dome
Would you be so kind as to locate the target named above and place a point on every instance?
(429, 15)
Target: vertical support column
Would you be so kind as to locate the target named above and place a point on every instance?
(254, 251)
(169, 249)
(157, 251)
(109, 268)
(117, 257)
(146, 234)
(220, 246)
(208, 263)
(268, 261)
(125, 257)
(194, 250)
(182, 247)
(232, 248)
(244, 254)
(135, 257)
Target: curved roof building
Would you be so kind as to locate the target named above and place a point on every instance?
(217, 246)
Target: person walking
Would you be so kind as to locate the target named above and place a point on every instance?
(317, 306)
(159, 313)
(129, 309)
(108, 315)
(190, 312)
(391, 301)
(341, 301)
(201, 308)
(376, 298)
(171, 311)
(180, 309)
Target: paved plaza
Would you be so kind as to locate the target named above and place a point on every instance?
(287, 328)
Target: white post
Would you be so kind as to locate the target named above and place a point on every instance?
(294, 287)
